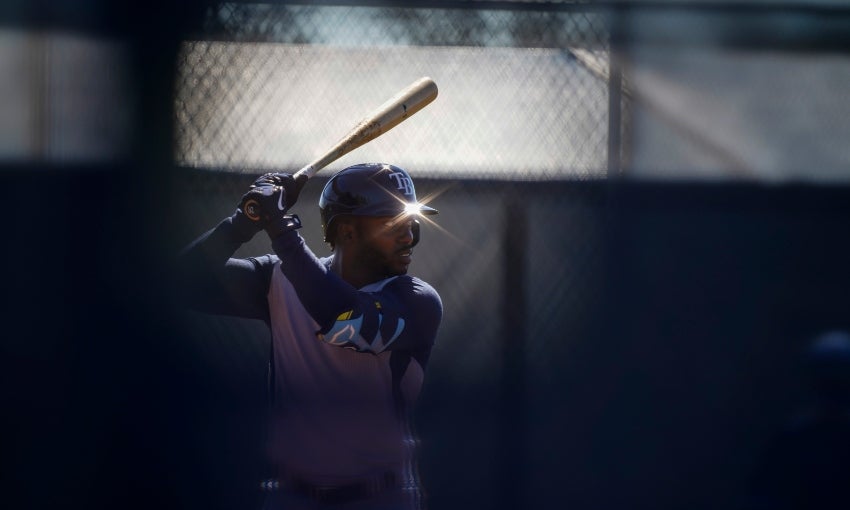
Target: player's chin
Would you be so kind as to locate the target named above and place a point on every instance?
(400, 261)
(398, 269)
(398, 266)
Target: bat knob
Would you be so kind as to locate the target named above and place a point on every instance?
(252, 210)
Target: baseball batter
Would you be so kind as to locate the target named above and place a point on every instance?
(351, 333)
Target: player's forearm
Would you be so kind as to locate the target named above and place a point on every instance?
(215, 246)
(208, 280)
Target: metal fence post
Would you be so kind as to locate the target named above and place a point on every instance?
(512, 424)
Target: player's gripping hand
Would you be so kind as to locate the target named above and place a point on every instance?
(267, 201)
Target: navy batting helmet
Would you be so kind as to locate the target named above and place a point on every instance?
(370, 189)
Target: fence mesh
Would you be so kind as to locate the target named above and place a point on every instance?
(274, 85)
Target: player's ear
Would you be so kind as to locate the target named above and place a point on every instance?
(345, 231)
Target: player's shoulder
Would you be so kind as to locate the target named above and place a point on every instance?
(421, 286)
(417, 291)
(411, 284)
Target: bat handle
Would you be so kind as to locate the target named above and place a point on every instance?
(301, 178)
(306, 172)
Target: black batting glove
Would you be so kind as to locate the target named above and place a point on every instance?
(266, 203)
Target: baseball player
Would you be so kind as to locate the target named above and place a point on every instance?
(351, 333)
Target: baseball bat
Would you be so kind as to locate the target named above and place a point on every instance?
(396, 110)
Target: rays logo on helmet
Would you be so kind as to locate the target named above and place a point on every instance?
(403, 182)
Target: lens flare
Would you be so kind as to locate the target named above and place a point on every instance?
(416, 208)
(412, 209)
(426, 220)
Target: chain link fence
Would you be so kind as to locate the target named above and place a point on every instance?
(272, 86)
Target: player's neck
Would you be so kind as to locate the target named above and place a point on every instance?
(346, 266)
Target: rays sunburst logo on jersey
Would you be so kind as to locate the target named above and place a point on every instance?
(347, 332)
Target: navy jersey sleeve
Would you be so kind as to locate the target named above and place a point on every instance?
(401, 313)
(211, 281)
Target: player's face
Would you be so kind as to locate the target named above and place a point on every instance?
(385, 246)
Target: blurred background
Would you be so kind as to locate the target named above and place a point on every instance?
(643, 214)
